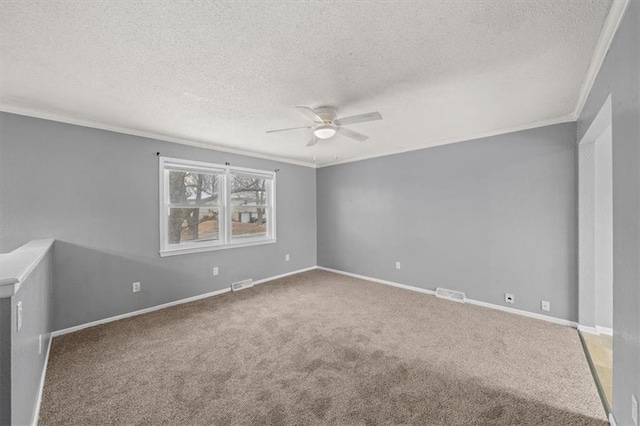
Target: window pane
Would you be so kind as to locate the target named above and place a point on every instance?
(193, 225)
(249, 222)
(195, 188)
(248, 191)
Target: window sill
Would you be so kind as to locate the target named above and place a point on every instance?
(178, 251)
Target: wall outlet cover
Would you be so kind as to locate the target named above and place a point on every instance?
(509, 298)
(215, 271)
(136, 286)
(398, 265)
(545, 305)
(286, 257)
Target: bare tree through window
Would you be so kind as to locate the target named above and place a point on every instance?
(249, 200)
(200, 222)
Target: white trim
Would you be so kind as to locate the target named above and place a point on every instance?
(15, 267)
(470, 301)
(604, 330)
(201, 144)
(36, 415)
(167, 305)
(612, 420)
(224, 207)
(587, 329)
(505, 130)
(376, 280)
(30, 112)
(609, 29)
(528, 314)
(203, 248)
(286, 274)
(597, 330)
(138, 312)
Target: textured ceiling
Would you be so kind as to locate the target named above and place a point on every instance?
(223, 73)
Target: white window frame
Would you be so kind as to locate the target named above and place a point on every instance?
(225, 240)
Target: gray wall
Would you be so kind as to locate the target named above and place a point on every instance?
(486, 217)
(604, 230)
(27, 363)
(20, 356)
(620, 77)
(96, 193)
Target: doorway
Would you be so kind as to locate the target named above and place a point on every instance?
(595, 223)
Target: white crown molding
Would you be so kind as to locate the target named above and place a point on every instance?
(558, 120)
(30, 112)
(609, 29)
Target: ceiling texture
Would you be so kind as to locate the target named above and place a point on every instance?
(220, 74)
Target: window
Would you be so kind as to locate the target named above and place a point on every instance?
(208, 206)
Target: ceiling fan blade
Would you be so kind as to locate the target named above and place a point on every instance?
(310, 113)
(290, 128)
(371, 116)
(313, 141)
(351, 134)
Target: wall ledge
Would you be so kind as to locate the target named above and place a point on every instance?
(15, 267)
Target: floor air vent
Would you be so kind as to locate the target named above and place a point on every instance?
(456, 296)
(242, 284)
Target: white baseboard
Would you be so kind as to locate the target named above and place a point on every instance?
(286, 274)
(612, 420)
(604, 330)
(597, 330)
(587, 329)
(376, 280)
(167, 305)
(470, 301)
(36, 414)
(528, 314)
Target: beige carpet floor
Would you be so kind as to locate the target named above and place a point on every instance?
(321, 348)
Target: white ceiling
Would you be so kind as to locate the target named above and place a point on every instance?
(223, 73)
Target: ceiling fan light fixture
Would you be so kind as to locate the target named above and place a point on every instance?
(324, 132)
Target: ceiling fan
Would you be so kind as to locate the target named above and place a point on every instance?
(326, 125)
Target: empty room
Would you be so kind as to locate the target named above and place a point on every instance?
(319, 212)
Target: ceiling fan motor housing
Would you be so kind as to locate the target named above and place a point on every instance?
(327, 114)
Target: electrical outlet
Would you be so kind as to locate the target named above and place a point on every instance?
(18, 316)
(509, 298)
(40, 344)
(215, 271)
(397, 265)
(545, 305)
(136, 286)
(286, 257)
(634, 409)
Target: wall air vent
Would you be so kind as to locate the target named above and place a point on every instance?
(239, 285)
(456, 296)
